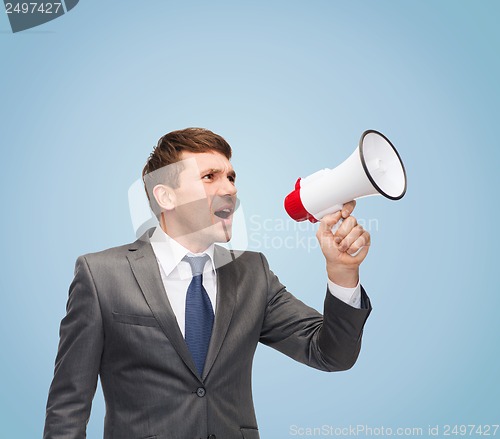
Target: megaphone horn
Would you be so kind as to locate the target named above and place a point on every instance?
(374, 168)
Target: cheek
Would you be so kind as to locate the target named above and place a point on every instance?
(195, 211)
(195, 192)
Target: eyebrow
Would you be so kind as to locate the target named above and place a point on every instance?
(231, 173)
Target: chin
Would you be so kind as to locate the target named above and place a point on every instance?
(224, 237)
(222, 234)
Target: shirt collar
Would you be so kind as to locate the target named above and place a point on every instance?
(170, 253)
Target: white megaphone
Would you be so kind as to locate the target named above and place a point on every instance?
(374, 168)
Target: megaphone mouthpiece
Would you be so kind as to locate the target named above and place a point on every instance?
(294, 206)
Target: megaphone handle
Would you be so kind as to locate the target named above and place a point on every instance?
(331, 209)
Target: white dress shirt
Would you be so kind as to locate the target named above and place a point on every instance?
(176, 276)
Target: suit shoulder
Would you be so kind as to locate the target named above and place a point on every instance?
(111, 254)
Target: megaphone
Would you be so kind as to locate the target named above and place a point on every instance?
(374, 168)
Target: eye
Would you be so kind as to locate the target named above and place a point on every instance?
(231, 178)
(208, 177)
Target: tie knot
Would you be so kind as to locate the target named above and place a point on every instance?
(197, 263)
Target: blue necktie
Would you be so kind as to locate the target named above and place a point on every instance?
(199, 313)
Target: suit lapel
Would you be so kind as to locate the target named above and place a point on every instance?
(145, 268)
(226, 299)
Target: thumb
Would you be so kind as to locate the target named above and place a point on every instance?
(328, 221)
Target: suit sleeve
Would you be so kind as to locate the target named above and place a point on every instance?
(329, 342)
(78, 359)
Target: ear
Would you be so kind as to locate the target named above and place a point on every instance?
(164, 196)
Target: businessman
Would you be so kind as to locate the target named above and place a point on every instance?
(171, 322)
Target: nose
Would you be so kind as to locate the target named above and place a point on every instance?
(228, 187)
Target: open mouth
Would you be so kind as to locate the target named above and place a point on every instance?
(224, 213)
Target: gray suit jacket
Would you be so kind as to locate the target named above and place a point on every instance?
(119, 325)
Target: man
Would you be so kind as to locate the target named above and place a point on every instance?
(171, 322)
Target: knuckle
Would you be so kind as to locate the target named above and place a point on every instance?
(351, 221)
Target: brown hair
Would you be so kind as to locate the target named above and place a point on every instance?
(169, 151)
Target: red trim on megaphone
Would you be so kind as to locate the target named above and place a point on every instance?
(297, 183)
(294, 206)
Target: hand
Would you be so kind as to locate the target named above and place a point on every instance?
(345, 249)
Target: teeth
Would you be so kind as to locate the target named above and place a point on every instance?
(224, 213)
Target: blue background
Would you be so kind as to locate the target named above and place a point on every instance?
(291, 85)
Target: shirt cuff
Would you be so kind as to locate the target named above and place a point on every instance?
(351, 296)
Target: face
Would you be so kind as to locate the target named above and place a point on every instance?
(204, 201)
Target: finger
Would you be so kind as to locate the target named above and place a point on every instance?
(351, 238)
(348, 208)
(345, 228)
(362, 241)
(328, 221)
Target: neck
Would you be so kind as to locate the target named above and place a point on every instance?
(191, 242)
